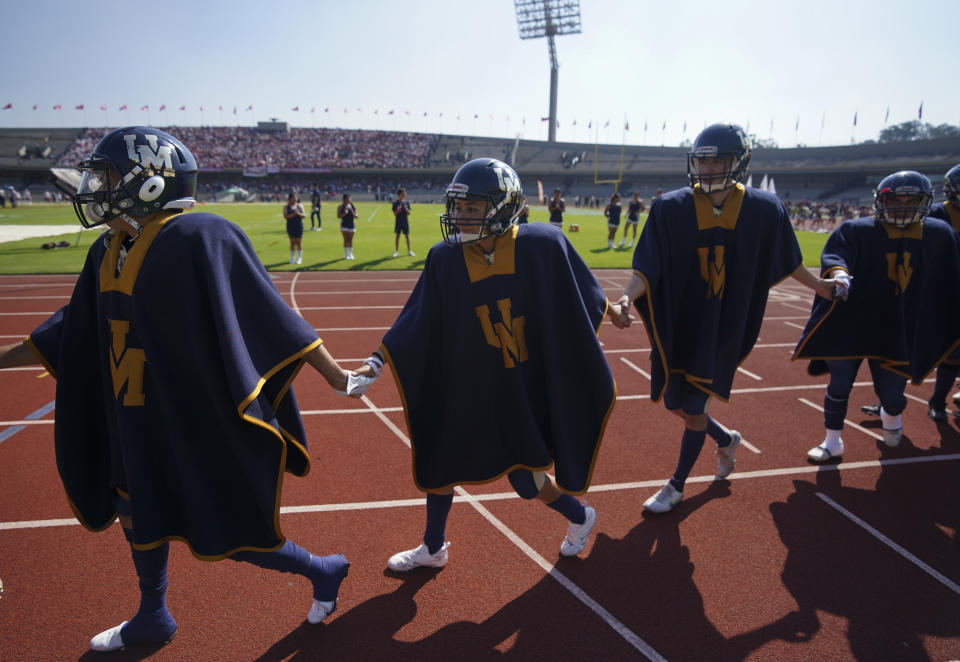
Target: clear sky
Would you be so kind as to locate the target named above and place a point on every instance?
(791, 70)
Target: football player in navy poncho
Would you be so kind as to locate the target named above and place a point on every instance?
(497, 361)
(703, 267)
(949, 370)
(174, 361)
(900, 307)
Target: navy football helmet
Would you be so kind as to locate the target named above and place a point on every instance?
(903, 184)
(726, 142)
(135, 172)
(951, 184)
(491, 182)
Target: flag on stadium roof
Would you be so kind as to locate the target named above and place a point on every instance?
(8, 106)
(390, 113)
(250, 107)
(163, 106)
(887, 116)
(920, 112)
(626, 123)
(147, 107)
(234, 110)
(34, 106)
(326, 110)
(854, 118)
(296, 109)
(57, 107)
(79, 106)
(605, 124)
(220, 107)
(183, 107)
(103, 106)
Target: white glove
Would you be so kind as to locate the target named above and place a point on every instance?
(841, 287)
(357, 385)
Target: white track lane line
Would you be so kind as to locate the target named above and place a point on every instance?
(610, 487)
(796, 326)
(635, 367)
(750, 374)
(293, 297)
(846, 421)
(562, 579)
(889, 543)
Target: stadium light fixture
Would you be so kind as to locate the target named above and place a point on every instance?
(548, 18)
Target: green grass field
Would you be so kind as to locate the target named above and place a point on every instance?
(264, 224)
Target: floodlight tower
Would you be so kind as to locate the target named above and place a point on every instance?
(546, 18)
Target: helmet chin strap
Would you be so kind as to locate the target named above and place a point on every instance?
(132, 223)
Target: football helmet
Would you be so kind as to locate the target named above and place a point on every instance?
(905, 183)
(719, 158)
(135, 172)
(951, 184)
(491, 182)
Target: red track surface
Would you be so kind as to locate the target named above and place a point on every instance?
(765, 566)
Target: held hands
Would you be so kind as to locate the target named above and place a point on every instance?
(839, 286)
(358, 381)
(619, 313)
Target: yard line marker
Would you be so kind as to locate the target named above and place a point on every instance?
(562, 579)
(889, 543)
(374, 213)
(846, 421)
(635, 367)
(750, 374)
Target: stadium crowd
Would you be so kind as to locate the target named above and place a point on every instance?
(245, 147)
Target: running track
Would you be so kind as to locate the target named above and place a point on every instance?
(784, 561)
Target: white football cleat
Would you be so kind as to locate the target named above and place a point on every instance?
(418, 557)
(579, 534)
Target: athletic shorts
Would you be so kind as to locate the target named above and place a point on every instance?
(347, 226)
(681, 394)
(401, 226)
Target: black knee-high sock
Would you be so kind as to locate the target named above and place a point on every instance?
(717, 433)
(690, 446)
(152, 622)
(438, 507)
(946, 376)
(834, 411)
(570, 508)
(324, 572)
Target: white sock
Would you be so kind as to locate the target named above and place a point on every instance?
(890, 422)
(351, 251)
(293, 255)
(833, 442)
(346, 252)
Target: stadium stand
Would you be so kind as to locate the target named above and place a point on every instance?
(373, 164)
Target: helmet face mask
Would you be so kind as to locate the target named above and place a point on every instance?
(951, 184)
(903, 198)
(135, 172)
(719, 158)
(483, 200)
